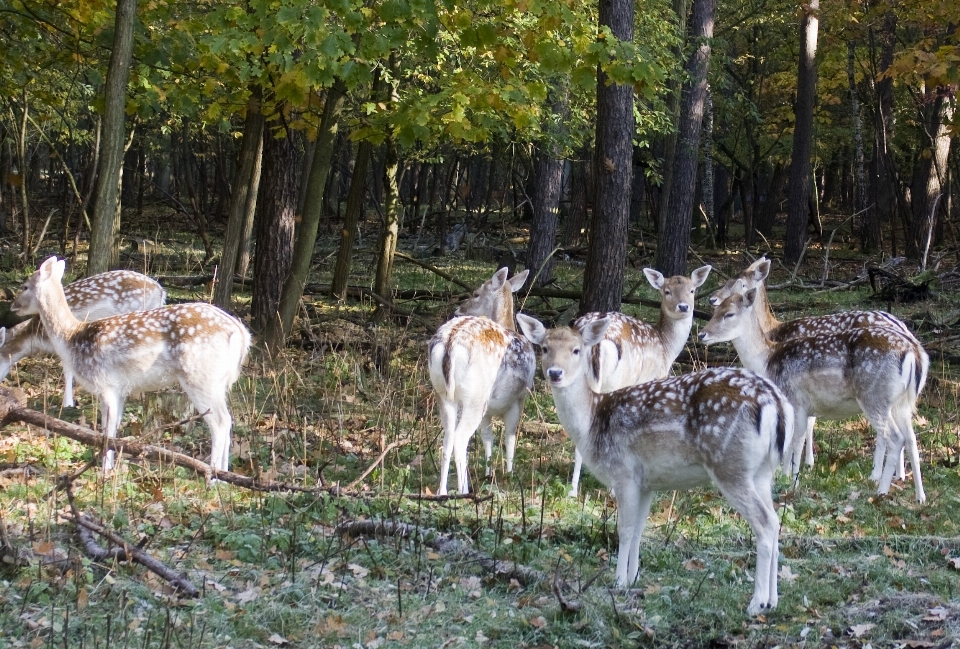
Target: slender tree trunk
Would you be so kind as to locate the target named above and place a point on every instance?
(869, 223)
(674, 240)
(607, 253)
(392, 207)
(275, 225)
(930, 172)
(104, 245)
(251, 148)
(674, 100)
(798, 210)
(579, 183)
(341, 272)
(250, 212)
(885, 183)
(548, 178)
(707, 183)
(278, 330)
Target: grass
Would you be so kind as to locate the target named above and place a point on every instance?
(274, 571)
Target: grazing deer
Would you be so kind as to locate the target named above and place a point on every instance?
(754, 277)
(91, 298)
(633, 351)
(725, 425)
(480, 368)
(196, 345)
(875, 370)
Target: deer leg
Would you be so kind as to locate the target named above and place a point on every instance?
(67, 388)
(577, 467)
(448, 419)
(809, 440)
(470, 418)
(486, 434)
(511, 421)
(632, 507)
(903, 419)
(111, 404)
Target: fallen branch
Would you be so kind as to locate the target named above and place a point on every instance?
(376, 463)
(124, 551)
(445, 544)
(433, 269)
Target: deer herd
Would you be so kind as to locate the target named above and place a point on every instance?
(638, 430)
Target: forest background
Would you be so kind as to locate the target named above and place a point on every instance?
(277, 158)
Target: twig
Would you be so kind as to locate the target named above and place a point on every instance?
(476, 498)
(376, 463)
(566, 605)
(826, 253)
(160, 429)
(433, 269)
(67, 479)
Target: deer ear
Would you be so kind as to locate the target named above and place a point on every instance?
(699, 276)
(655, 277)
(532, 329)
(499, 278)
(593, 332)
(761, 269)
(47, 268)
(518, 280)
(749, 297)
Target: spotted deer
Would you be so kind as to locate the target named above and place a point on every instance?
(729, 426)
(872, 369)
(480, 368)
(91, 298)
(197, 346)
(633, 351)
(754, 276)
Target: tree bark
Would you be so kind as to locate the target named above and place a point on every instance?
(250, 212)
(869, 223)
(278, 329)
(674, 240)
(607, 252)
(884, 181)
(275, 225)
(392, 206)
(579, 190)
(929, 172)
(798, 211)
(104, 245)
(547, 187)
(341, 272)
(251, 148)
(674, 99)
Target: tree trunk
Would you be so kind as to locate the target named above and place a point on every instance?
(278, 330)
(547, 187)
(674, 99)
(392, 207)
(885, 184)
(674, 240)
(104, 245)
(869, 222)
(929, 173)
(607, 253)
(341, 272)
(274, 225)
(251, 148)
(707, 182)
(250, 212)
(579, 185)
(798, 210)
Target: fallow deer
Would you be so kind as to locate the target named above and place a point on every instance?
(875, 370)
(196, 345)
(633, 351)
(91, 298)
(728, 426)
(480, 368)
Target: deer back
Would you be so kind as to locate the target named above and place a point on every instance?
(112, 293)
(465, 356)
(825, 325)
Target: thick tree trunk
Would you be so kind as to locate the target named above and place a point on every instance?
(341, 272)
(277, 330)
(547, 187)
(607, 253)
(104, 245)
(674, 239)
(251, 148)
(884, 181)
(274, 225)
(798, 210)
(929, 174)
(674, 100)
(707, 178)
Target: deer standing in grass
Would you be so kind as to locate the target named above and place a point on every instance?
(633, 351)
(480, 368)
(724, 425)
(91, 298)
(875, 370)
(197, 346)
(754, 277)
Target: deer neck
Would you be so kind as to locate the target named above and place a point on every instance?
(576, 404)
(753, 347)
(768, 321)
(21, 341)
(674, 334)
(503, 311)
(58, 321)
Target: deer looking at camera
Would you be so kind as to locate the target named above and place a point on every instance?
(754, 277)
(480, 368)
(633, 351)
(728, 426)
(197, 346)
(875, 370)
(91, 298)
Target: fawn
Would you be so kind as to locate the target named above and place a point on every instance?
(196, 345)
(875, 370)
(480, 368)
(91, 298)
(725, 425)
(754, 276)
(633, 351)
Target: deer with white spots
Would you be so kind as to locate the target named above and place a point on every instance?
(876, 370)
(91, 298)
(197, 346)
(721, 425)
(754, 277)
(633, 351)
(480, 368)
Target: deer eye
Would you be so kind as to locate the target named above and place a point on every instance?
(576, 352)
(728, 315)
(666, 292)
(544, 348)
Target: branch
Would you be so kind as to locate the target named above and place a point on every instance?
(434, 270)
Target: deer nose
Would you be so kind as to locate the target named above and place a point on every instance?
(702, 336)
(714, 301)
(555, 374)
(683, 307)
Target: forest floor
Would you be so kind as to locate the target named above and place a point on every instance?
(288, 569)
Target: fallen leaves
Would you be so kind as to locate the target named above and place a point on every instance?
(858, 630)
